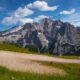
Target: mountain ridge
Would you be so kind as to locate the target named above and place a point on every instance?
(55, 37)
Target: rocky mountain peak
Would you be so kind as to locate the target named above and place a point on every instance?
(51, 36)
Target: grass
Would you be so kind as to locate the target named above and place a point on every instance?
(73, 71)
(6, 74)
(15, 48)
(69, 57)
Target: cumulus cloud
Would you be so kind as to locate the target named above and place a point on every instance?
(40, 17)
(26, 20)
(30, 20)
(42, 5)
(22, 12)
(20, 15)
(9, 20)
(73, 19)
(17, 16)
(65, 12)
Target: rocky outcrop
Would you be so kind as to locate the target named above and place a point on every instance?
(50, 36)
(64, 38)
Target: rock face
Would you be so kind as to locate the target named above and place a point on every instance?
(50, 36)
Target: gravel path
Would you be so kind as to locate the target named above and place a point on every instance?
(26, 63)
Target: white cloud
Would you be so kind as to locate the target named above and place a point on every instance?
(22, 12)
(65, 12)
(30, 20)
(42, 5)
(17, 15)
(9, 20)
(26, 20)
(40, 17)
(73, 19)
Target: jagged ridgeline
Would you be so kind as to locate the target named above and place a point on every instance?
(50, 36)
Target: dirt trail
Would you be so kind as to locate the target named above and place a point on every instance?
(26, 62)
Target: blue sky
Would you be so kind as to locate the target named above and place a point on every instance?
(19, 12)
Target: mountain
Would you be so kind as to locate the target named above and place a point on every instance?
(55, 37)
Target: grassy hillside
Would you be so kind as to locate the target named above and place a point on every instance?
(14, 48)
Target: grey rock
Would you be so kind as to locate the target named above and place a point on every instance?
(50, 36)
